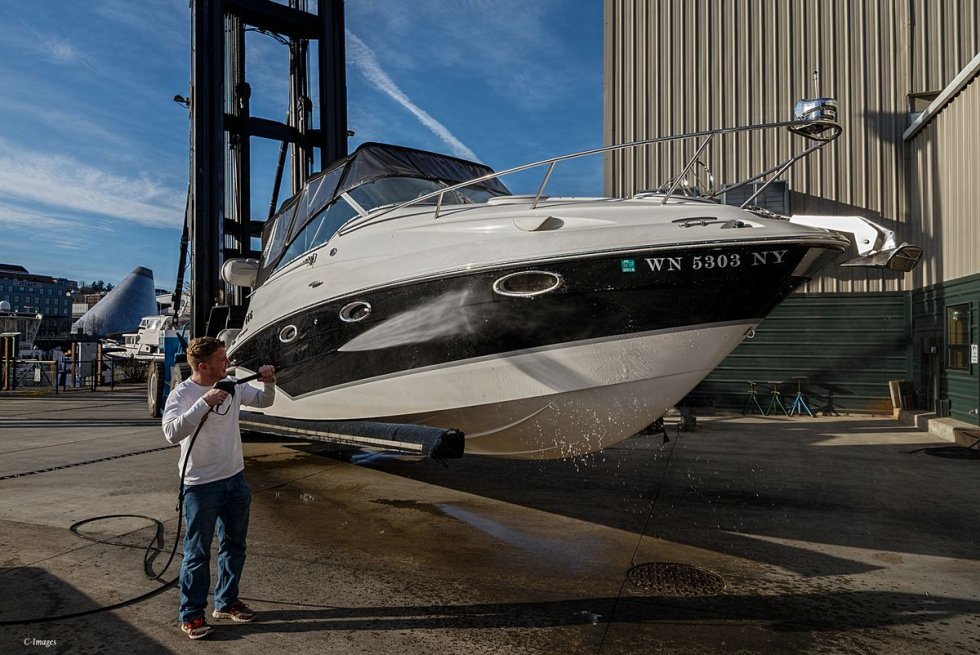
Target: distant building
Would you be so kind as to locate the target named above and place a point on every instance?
(41, 294)
(83, 302)
(165, 300)
(122, 308)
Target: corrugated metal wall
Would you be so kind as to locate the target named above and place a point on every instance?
(945, 36)
(943, 190)
(944, 209)
(849, 352)
(930, 374)
(679, 65)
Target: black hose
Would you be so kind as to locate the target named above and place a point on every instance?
(148, 556)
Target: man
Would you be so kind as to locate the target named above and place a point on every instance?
(215, 490)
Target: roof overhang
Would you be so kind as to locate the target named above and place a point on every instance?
(959, 82)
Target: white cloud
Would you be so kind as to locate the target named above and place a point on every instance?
(508, 45)
(160, 20)
(66, 183)
(16, 217)
(59, 50)
(362, 57)
(46, 231)
(51, 48)
(69, 122)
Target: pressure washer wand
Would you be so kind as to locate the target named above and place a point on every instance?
(228, 386)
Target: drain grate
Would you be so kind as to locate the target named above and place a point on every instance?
(672, 579)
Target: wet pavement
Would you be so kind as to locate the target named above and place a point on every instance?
(750, 534)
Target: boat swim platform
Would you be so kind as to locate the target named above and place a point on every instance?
(789, 535)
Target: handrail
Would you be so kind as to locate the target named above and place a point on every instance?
(359, 222)
(683, 173)
(544, 183)
(778, 170)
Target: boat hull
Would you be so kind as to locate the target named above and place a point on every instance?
(557, 401)
(621, 339)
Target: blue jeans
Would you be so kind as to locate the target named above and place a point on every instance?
(224, 503)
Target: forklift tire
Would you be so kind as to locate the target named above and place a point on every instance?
(178, 373)
(154, 389)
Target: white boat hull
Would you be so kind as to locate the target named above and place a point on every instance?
(549, 402)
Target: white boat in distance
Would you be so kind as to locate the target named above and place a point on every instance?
(23, 326)
(146, 343)
(410, 287)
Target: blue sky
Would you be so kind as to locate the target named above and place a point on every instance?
(93, 150)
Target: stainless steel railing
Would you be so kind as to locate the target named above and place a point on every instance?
(815, 121)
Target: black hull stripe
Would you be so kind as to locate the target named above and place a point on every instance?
(459, 317)
(518, 353)
(663, 250)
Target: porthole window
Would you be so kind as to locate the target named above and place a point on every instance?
(288, 334)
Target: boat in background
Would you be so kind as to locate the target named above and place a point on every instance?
(22, 325)
(404, 286)
(146, 343)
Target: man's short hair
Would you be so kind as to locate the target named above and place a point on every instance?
(201, 348)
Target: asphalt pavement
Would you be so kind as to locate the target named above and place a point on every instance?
(750, 534)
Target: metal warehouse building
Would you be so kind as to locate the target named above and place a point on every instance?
(905, 75)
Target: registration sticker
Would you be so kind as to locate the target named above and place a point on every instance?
(627, 265)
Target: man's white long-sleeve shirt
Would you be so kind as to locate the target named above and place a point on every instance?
(217, 452)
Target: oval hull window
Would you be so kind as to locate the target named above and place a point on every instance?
(288, 334)
(527, 284)
(355, 311)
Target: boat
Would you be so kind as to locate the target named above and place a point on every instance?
(408, 287)
(23, 327)
(144, 344)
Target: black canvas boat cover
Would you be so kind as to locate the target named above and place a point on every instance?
(370, 162)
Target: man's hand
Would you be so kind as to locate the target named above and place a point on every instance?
(267, 373)
(215, 397)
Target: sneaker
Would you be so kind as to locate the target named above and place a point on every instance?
(237, 611)
(196, 628)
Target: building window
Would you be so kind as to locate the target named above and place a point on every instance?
(958, 337)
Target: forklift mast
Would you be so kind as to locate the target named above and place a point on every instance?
(219, 224)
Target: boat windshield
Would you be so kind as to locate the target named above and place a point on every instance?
(376, 175)
(389, 191)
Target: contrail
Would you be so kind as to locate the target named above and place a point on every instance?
(363, 58)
